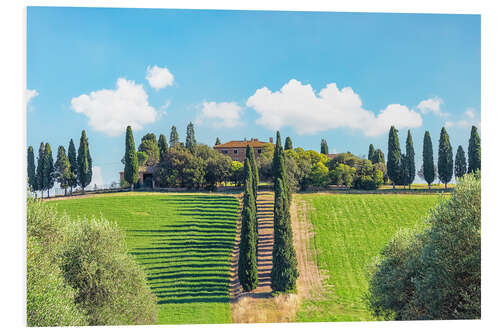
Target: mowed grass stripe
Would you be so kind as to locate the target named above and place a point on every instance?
(349, 232)
(183, 242)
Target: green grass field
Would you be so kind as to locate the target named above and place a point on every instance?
(349, 231)
(183, 242)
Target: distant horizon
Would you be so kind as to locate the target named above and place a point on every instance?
(345, 77)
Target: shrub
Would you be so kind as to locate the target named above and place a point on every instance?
(79, 273)
(435, 273)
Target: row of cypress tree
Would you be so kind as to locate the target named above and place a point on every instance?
(401, 167)
(247, 262)
(69, 170)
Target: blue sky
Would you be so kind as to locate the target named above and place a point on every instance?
(341, 76)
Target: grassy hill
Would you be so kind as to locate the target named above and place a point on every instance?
(184, 243)
(349, 231)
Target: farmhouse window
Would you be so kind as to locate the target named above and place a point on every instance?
(235, 151)
(259, 151)
(224, 151)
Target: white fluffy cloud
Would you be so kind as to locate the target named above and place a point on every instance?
(111, 111)
(159, 77)
(30, 94)
(220, 115)
(96, 177)
(297, 105)
(431, 105)
(467, 121)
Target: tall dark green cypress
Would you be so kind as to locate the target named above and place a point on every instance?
(460, 163)
(217, 141)
(378, 156)
(371, 153)
(324, 147)
(288, 143)
(255, 170)
(278, 166)
(48, 169)
(40, 169)
(474, 150)
(445, 158)
(190, 139)
(31, 169)
(163, 146)
(131, 171)
(174, 137)
(393, 157)
(73, 166)
(404, 176)
(247, 261)
(428, 158)
(84, 161)
(410, 160)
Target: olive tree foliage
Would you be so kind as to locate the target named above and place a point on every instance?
(80, 273)
(434, 273)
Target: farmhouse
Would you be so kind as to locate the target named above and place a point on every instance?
(237, 149)
(145, 176)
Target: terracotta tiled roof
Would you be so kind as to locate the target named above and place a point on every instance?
(242, 144)
(330, 156)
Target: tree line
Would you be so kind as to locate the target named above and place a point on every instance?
(401, 167)
(69, 170)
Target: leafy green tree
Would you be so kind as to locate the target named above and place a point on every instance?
(237, 175)
(163, 147)
(84, 161)
(174, 137)
(73, 182)
(48, 169)
(131, 171)
(445, 158)
(434, 273)
(142, 158)
(255, 170)
(319, 175)
(217, 141)
(367, 176)
(288, 143)
(393, 157)
(474, 150)
(460, 163)
(343, 174)
(190, 138)
(247, 261)
(371, 153)
(40, 169)
(150, 147)
(410, 160)
(284, 272)
(428, 166)
(62, 169)
(324, 147)
(31, 169)
(378, 157)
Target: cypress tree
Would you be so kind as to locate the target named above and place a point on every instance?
(62, 169)
(31, 169)
(284, 272)
(393, 157)
(371, 153)
(163, 146)
(48, 169)
(84, 161)
(174, 137)
(403, 170)
(131, 171)
(247, 261)
(324, 147)
(288, 143)
(445, 158)
(278, 166)
(190, 139)
(40, 169)
(73, 166)
(428, 158)
(474, 150)
(460, 163)
(255, 170)
(217, 141)
(410, 160)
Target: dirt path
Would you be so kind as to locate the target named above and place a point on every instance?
(258, 306)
